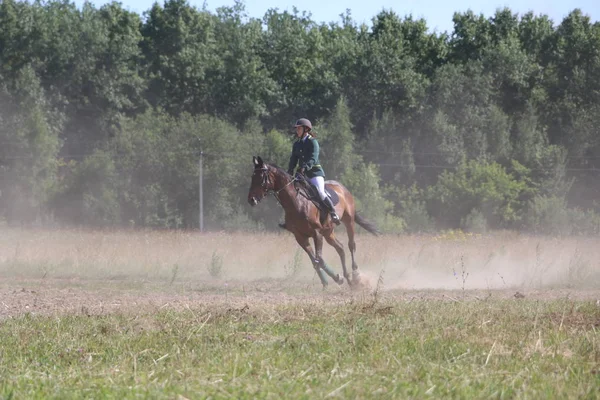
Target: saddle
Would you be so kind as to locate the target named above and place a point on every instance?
(311, 193)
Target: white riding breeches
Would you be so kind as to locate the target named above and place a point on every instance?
(319, 183)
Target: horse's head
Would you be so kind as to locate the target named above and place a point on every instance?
(262, 181)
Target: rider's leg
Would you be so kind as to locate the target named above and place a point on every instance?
(319, 183)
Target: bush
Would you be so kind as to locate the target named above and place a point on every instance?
(417, 218)
(88, 192)
(480, 185)
(584, 222)
(29, 144)
(363, 183)
(215, 267)
(292, 269)
(548, 214)
(475, 222)
(413, 209)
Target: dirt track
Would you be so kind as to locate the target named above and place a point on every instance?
(62, 297)
(72, 271)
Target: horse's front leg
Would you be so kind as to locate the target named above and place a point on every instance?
(304, 242)
(319, 251)
(349, 223)
(332, 240)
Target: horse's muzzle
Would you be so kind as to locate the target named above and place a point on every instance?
(252, 201)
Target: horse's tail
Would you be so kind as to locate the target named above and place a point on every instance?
(369, 226)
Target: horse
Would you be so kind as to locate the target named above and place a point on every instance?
(303, 218)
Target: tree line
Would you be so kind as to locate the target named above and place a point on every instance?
(104, 112)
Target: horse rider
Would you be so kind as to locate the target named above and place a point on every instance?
(305, 152)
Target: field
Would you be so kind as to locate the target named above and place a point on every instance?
(88, 314)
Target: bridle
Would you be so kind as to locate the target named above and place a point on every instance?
(266, 182)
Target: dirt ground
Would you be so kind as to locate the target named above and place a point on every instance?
(58, 272)
(73, 297)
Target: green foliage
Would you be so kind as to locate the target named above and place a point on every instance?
(29, 144)
(394, 105)
(158, 160)
(363, 183)
(215, 267)
(549, 171)
(584, 222)
(293, 268)
(88, 192)
(387, 146)
(338, 142)
(475, 222)
(277, 148)
(242, 85)
(293, 48)
(411, 206)
(485, 186)
(530, 141)
(179, 51)
(548, 214)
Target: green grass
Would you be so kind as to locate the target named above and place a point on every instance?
(473, 349)
(292, 340)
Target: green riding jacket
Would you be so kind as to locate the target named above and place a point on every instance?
(306, 153)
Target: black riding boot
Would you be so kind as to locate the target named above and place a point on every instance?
(334, 217)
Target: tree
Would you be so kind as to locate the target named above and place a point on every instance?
(106, 111)
(29, 144)
(387, 70)
(483, 186)
(294, 49)
(180, 52)
(338, 155)
(242, 85)
(472, 35)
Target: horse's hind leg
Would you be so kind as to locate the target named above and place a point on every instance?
(304, 242)
(349, 223)
(335, 243)
(319, 251)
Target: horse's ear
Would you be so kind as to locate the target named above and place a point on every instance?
(254, 161)
(260, 161)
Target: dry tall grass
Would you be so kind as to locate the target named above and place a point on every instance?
(450, 261)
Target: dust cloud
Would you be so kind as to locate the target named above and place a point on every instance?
(451, 262)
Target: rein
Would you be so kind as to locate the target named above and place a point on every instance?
(267, 181)
(299, 191)
(275, 193)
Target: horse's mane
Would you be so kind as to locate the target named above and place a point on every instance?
(279, 169)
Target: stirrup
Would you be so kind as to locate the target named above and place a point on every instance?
(335, 218)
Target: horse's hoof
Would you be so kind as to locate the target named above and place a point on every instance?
(339, 280)
(355, 277)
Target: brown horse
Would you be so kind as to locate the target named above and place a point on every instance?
(302, 216)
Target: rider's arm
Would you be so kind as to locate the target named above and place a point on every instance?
(293, 162)
(312, 154)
